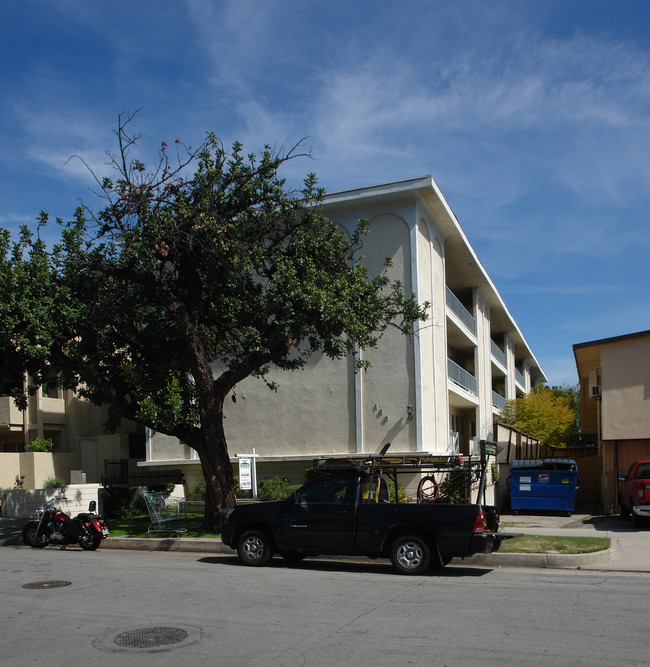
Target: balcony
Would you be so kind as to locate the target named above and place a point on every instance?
(461, 377)
(498, 401)
(519, 379)
(10, 416)
(497, 353)
(456, 307)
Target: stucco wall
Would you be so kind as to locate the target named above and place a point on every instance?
(626, 389)
(23, 503)
(389, 386)
(9, 468)
(312, 412)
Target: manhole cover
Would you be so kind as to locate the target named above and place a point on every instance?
(46, 584)
(150, 637)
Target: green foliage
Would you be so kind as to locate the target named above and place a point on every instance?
(123, 502)
(197, 492)
(454, 488)
(275, 488)
(53, 483)
(551, 414)
(166, 488)
(312, 473)
(494, 468)
(39, 444)
(401, 496)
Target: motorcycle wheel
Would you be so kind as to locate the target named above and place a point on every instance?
(32, 539)
(90, 542)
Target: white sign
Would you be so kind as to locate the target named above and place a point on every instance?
(524, 487)
(245, 475)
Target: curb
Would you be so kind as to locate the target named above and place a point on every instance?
(556, 561)
(197, 545)
(185, 544)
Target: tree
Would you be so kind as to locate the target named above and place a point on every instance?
(551, 414)
(181, 286)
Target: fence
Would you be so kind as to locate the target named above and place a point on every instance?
(116, 473)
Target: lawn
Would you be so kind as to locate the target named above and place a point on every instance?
(554, 544)
(137, 527)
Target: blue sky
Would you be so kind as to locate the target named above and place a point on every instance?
(532, 116)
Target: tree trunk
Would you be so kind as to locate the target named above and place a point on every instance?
(217, 471)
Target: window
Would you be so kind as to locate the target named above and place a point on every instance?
(325, 490)
(374, 490)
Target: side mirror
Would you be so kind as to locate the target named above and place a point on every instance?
(92, 506)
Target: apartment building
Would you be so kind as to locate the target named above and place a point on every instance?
(76, 427)
(614, 378)
(437, 391)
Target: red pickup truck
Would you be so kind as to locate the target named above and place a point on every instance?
(634, 492)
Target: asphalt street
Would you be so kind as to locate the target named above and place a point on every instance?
(119, 607)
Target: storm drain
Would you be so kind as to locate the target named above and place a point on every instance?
(150, 637)
(39, 585)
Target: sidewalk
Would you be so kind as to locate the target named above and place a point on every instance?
(629, 552)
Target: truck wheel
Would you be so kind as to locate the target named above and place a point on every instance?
(254, 548)
(410, 555)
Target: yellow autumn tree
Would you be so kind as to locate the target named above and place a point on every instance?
(550, 414)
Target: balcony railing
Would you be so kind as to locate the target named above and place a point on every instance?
(461, 377)
(454, 304)
(498, 353)
(498, 401)
(519, 379)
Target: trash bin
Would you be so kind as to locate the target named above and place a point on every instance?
(544, 484)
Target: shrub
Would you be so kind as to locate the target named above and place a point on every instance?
(275, 489)
(118, 502)
(53, 483)
(312, 473)
(401, 494)
(197, 492)
(454, 488)
(39, 444)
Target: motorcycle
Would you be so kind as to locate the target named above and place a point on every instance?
(55, 527)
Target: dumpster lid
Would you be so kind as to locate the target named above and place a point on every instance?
(545, 464)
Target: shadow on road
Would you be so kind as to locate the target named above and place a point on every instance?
(349, 565)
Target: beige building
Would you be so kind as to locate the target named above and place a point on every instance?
(614, 378)
(436, 392)
(77, 429)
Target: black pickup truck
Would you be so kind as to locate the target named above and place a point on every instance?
(348, 513)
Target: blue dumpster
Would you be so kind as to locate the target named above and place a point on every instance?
(544, 484)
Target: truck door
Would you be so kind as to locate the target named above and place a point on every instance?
(321, 518)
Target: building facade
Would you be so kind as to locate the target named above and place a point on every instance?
(437, 391)
(75, 426)
(614, 376)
